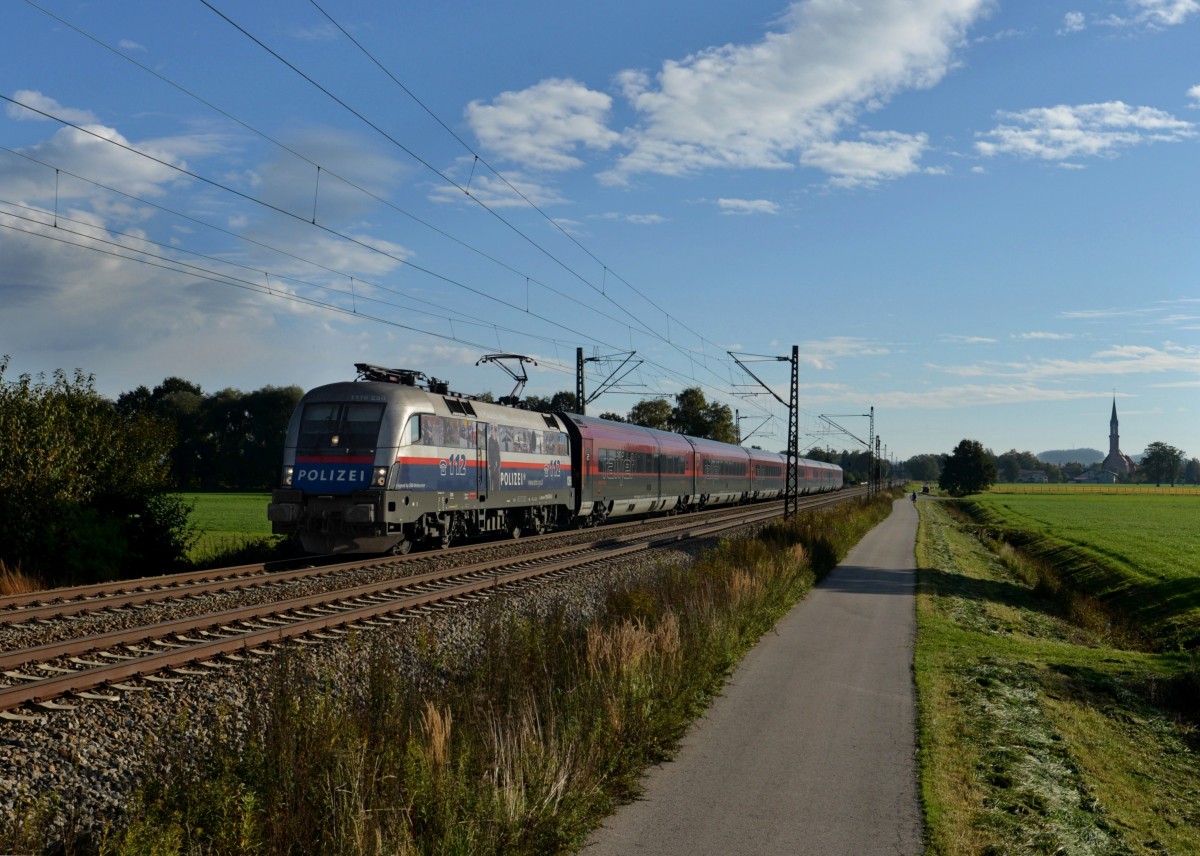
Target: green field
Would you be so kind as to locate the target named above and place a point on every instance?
(1139, 553)
(227, 521)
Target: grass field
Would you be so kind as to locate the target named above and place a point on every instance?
(1138, 553)
(1077, 489)
(227, 522)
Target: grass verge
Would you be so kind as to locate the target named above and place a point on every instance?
(519, 745)
(1039, 733)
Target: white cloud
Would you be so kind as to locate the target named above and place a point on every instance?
(637, 219)
(1073, 22)
(1115, 360)
(1084, 130)
(540, 127)
(44, 103)
(975, 395)
(1194, 94)
(1161, 13)
(968, 340)
(761, 105)
(98, 153)
(788, 98)
(1095, 314)
(1151, 14)
(1054, 337)
(500, 193)
(747, 206)
(875, 156)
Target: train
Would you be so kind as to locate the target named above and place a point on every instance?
(394, 460)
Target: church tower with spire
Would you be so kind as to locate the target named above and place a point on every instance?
(1116, 462)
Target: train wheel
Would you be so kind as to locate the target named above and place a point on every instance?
(514, 531)
(402, 548)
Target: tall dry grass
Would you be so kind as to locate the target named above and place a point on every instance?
(14, 581)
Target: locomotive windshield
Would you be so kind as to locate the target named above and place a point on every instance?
(339, 429)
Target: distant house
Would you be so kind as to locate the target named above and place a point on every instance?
(1032, 477)
(1095, 477)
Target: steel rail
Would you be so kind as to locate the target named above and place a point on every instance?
(69, 647)
(59, 602)
(62, 602)
(488, 576)
(186, 650)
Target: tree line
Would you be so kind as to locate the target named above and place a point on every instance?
(970, 465)
(226, 440)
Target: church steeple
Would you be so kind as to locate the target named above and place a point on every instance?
(1116, 462)
(1114, 440)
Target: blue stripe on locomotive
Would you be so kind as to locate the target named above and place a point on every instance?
(456, 473)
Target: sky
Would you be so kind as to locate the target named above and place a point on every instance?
(974, 220)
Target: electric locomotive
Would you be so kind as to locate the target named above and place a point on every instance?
(382, 464)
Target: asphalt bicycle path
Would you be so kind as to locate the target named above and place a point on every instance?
(811, 749)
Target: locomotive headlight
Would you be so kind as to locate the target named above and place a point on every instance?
(381, 476)
(287, 476)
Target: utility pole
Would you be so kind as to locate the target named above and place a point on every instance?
(791, 490)
(791, 493)
(579, 399)
(871, 445)
(610, 383)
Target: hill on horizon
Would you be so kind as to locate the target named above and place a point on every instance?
(1058, 457)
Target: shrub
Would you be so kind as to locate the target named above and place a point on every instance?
(83, 489)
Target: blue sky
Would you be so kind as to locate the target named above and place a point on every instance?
(977, 218)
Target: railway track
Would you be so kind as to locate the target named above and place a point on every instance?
(101, 666)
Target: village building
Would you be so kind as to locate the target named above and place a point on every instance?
(1117, 461)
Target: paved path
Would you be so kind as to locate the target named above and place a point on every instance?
(811, 748)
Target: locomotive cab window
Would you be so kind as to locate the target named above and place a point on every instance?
(332, 428)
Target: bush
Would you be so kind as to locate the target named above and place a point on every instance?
(83, 489)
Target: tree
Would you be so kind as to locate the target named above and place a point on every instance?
(564, 402)
(652, 413)
(177, 403)
(1161, 463)
(230, 439)
(818, 454)
(923, 467)
(1012, 462)
(694, 415)
(1191, 472)
(613, 417)
(969, 469)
